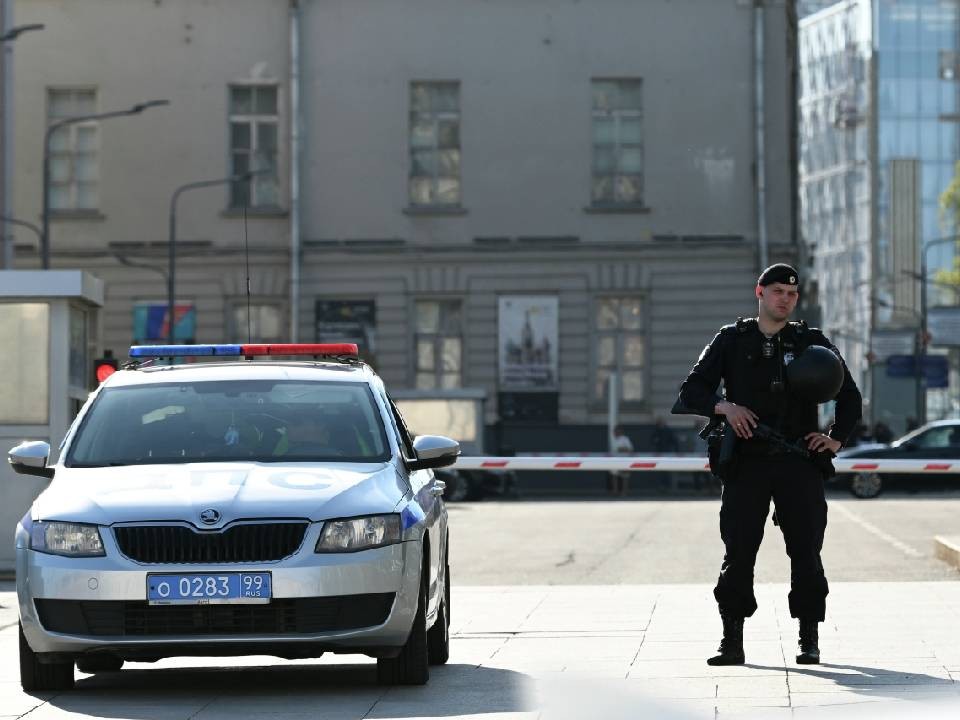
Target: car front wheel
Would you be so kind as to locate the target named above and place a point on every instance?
(438, 637)
(412, 665)
(36, 676)
(866, 485)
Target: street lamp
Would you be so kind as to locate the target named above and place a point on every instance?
(922, 339)
(14, 32)
(172, 243)
(6, 133)
(22, 223)
(135, 110)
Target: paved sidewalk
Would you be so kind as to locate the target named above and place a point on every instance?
(573, 652)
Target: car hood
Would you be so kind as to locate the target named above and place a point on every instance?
(315, 491)
(864, 450)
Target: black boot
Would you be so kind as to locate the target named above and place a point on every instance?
(809, 649)
(731, 647)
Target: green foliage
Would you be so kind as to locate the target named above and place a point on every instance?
(950, 221)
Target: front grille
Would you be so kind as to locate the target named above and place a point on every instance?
(136, 618)
(244, 543)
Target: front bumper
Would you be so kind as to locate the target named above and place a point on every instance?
(307, 580)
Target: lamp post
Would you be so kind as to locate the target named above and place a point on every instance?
(922, 339)
(6, 122)
(172, 242)
(135, 110)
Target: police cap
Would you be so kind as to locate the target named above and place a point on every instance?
(779, 273)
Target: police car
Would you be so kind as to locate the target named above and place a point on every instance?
(268, 501)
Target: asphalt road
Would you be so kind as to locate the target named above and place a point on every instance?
(600, 542)
(514, 633)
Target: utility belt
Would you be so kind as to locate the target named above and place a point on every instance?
(758, 446)
(724, 448)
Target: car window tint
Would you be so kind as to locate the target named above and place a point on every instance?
(265, 421)
(938, 437)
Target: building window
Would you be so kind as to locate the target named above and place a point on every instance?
(254, 131)
(265, 325)
(74, 151)
(435, 144)
(439, 344)
(620, 348)
(617, 143)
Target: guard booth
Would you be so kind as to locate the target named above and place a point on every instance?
(49, 333)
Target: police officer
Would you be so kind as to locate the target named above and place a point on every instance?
(752, 359)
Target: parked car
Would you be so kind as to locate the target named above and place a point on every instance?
(934, 441)
(243, 506)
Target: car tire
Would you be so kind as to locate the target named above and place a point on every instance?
(412, 665)
(38, 676)
(438, 637)
(866, 485)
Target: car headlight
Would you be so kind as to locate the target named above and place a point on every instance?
(66, 538)
(360, 533)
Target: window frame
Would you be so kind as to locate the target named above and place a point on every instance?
(254, 120)
(618, 115)
(72, 132)
(239, 331)
(599, 401)
(436, 116)
(437, 342)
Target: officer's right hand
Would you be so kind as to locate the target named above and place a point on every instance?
(741, 419)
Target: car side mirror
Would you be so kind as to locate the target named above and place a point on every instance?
(30, 458)
(434, 451)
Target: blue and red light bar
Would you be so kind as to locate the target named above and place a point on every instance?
(248, 350)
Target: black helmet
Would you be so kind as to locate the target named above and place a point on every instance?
(816, 374)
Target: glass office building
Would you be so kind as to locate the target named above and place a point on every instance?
(878, 145)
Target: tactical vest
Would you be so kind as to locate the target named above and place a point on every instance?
(740, 359)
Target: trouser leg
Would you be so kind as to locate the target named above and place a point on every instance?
(744, 505)
(802, 511)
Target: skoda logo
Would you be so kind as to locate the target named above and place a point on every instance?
(210, 516)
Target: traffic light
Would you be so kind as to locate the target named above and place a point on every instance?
(104, 367)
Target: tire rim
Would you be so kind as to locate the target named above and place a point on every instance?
(867, 484)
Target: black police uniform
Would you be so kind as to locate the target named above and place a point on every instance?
(752, 368)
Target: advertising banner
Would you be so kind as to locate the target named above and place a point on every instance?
(528, 334)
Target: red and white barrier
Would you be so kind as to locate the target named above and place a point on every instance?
(655, 463)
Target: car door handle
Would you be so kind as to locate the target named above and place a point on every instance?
(438, 487)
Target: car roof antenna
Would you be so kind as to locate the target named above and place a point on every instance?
(246, 251)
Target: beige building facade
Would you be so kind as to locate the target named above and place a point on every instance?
(517, 197)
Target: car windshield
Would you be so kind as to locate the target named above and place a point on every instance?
(258, 420)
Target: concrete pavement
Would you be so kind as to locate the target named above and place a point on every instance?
(627, 651)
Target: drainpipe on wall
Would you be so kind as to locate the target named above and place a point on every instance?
(758, 57)
(294, 171)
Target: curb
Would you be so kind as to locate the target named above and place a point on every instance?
(947, 549)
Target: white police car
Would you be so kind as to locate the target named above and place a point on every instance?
(233, 508)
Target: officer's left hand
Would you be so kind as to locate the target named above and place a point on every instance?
(818, 442)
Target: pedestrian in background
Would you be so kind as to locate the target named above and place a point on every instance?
(622, 445)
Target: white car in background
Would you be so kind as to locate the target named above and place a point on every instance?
(248, 505)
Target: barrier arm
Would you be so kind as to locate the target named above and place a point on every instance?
(668, 463)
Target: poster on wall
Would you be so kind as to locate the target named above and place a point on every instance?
(348, 321)
(528, 331)
(151, 323)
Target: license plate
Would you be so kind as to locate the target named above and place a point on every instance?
(208, 588)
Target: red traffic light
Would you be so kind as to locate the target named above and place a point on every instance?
(105, 367)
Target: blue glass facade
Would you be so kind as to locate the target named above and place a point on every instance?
(915, 45)
(879, 82)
